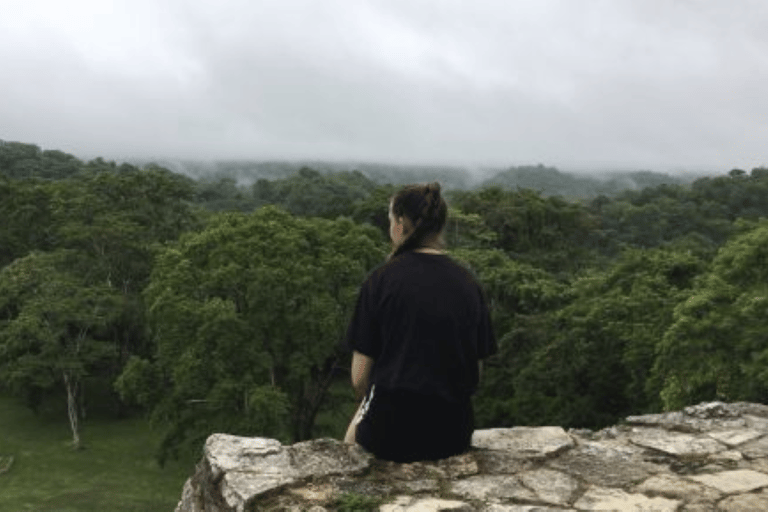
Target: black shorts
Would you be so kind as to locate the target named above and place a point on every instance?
(405, 426)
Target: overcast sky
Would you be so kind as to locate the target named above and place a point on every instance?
(652, 84)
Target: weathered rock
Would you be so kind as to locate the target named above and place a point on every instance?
(408, 504)
(675, 487)
(757, 422)
(494, 462)
(674, 443)
(697, 418)
(605, 463)
(733, 438)
(550, 486)
(744, 503)
(729, 482)
(708, 458)
(524, 508)
(699, 507)
(756, 449)
(599, 498)
(496, 486)
(322, 457)
(524, 442)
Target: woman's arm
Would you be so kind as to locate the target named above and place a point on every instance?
(361, 372)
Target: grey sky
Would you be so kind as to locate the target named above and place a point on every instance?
(653, 84)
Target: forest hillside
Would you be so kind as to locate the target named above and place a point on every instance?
(211, 306)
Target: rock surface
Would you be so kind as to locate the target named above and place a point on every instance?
(708, 457)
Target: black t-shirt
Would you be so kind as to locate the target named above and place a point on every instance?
(423, 319)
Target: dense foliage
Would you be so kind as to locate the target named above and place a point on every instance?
(210, 305)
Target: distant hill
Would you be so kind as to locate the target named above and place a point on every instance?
(549, 181)
(246, 172)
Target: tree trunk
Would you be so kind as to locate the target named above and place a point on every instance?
(312, 396)
(71, 386)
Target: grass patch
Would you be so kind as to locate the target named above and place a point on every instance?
(352, 502)
(116, 470)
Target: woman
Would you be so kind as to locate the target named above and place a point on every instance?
(418, 332)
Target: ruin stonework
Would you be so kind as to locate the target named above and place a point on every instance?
(708, 457)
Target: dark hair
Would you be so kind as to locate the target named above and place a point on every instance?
(426, 210)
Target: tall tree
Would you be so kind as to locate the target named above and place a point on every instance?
(593, 365)
(519, 297)
(28, 224)
(717, 346)
(116, 219)
(248, 317)
(53, 329)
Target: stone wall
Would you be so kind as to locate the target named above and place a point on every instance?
(709, 457)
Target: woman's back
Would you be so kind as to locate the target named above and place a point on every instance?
(423, 319)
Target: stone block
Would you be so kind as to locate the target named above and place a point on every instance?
(733, 438)
(729, 482)
(550, 486)
(674, 443)
(524, 508)
(408, 504)
(604, 499)
(325, 456)
(673, 486)
(756, 449)
(495, 462)
(744, 503)
(495, 486)
(254, 454)
(605, 463)
(524, 442)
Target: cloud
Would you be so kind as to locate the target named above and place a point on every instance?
(624, 83)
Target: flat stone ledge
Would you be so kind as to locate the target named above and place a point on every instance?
(491, 487)
(734, 438)
(697, 423)
(707, 458)
(226, 453)
(326, 456)
(525, 508)
(248, 467)
(605, 463)
(241, 488)
(603, 499)
(410, 504)
(524, 442)
(672, 486)
(756, 449)
(729, 482)
(675, 443)
(744, 503)
(550, 486)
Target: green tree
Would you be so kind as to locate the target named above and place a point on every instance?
(549, 233)
(717, 346)
(593, 369)
(28, 224)
(53, 329)
(312, 194)
(248, 316)
(519, 297)
(116, 220)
